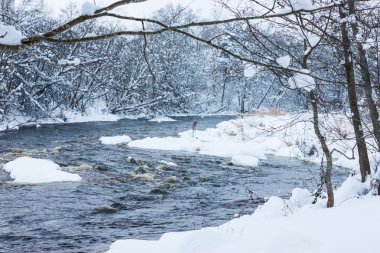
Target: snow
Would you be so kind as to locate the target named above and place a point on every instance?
(368, 44)
(283, 61)
(97, 112)
(313, 39)
(302, 81)
(88, 8)
(171, 164)
(278, 226)
(162, 119)
(244, 160)
(352, 187)
(255, 136)
(75, 62)
(249, 70)
(113, 140)
(9, 35)
(298, 5)
(28, 170)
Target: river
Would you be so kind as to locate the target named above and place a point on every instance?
(120, 199)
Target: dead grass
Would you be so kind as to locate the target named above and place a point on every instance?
(270, 112)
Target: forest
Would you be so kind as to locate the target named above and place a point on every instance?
(165, 74)
(302, 78)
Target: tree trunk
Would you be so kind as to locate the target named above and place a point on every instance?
(326, 151)
(325, 148)
(352, 99)
(364, 69)
(223, 91)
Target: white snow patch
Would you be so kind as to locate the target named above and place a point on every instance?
(302, 81)
(113, 140)
(298, 5)
(250, 70)
(9, 35)
(88, 35)
(97, 112)
(351, 188)
(88, 8)
(168, 163)
(75, 62)
(28, 170)
(301, 197)
(283, 61)
(368, 44)
(313, 39)
(162, 119)
(243, 160)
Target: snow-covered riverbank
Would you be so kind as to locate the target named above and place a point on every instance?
(247, 139)
(278, 226)
(97, 112)
(294, 225)
(66, 117)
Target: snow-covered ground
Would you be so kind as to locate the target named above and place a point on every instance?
(93, 114)
(279, 226)
(96, 113)
(26, 170)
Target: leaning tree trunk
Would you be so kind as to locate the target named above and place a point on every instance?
(325, 148)
(366, 76)
(326, 151)
(352, 99)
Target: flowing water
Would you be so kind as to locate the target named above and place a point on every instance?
(119, 198)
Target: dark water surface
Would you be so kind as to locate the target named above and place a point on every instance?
(113, 203)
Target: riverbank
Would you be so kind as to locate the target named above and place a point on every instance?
(93, 115)
(299, 224)
(249, 138)
(278, 226)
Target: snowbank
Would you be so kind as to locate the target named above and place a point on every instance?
(113, 140)
(243, 160)
(162, 119)
(279, 226)
(35, 171)
(254, 137)
(96, 113)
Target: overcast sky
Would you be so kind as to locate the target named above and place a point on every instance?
(204, 8)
